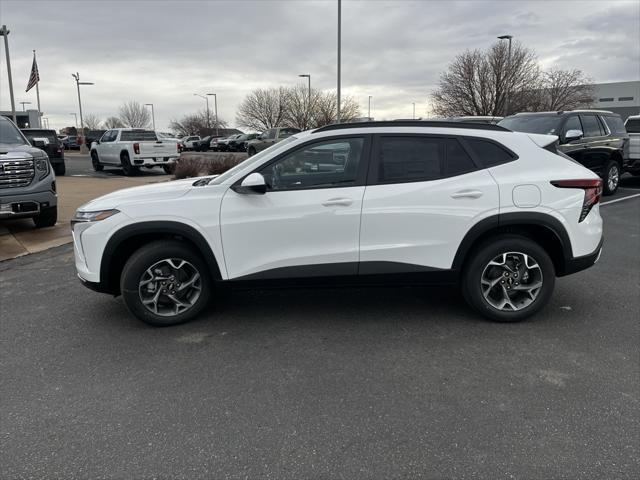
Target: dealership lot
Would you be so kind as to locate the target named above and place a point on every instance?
(340, 383)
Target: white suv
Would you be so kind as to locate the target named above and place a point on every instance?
(499, 212)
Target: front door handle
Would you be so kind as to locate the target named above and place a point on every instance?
(467, 194)
(337, 202)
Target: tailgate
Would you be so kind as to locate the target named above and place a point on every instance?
(158, 149)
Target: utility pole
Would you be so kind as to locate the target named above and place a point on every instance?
(78, 83)
(508, 75)
(339, 52)
(215, 108)
(369, 110)
(206, 99)
(308, 76)
(153, 115)
(5, 33)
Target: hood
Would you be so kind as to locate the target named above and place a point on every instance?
(141, 194)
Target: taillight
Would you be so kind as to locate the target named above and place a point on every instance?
(592, 192)
(136, 148)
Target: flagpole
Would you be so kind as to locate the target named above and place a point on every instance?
(38, 91)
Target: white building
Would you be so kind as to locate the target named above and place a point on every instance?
(622, 98)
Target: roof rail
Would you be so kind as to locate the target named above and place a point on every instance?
(412, 123)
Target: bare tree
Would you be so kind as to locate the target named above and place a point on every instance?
(196, 124)
(134, 115)
(92, 121)
(325, 109)
(263, 109)
(301, 107)
(113, 122)
(566, 90)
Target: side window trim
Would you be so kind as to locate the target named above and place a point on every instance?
(603, 126)
(361, 174)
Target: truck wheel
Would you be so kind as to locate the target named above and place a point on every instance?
(95, 162)
(59, 169)
(508, 278)
(251, 151)
(168, 169)
(165, 283)
(128, 169)
(47, 217)
(611, 180)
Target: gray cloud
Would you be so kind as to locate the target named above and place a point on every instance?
(162, 52)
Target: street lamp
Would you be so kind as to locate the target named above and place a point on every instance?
(153, 115)
(369, 110)
(339, 53)
(23, 104)
(414, 110)
(206, 100)
(76, 117)
(508, 99)
(215, 108)
(78, 83)
(4, 32)
(308, 76)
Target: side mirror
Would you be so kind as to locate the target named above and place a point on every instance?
(97, 142)
(572, 135)
(39, 142)
(252, 184)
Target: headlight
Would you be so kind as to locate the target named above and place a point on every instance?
(42, 166)
(84, 217)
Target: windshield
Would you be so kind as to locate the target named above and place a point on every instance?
(9, 133)
(543, 124)
(252, 160)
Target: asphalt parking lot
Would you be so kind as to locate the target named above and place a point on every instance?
(333, 383)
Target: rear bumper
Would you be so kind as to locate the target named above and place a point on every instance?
(577, 264)
(155, 160)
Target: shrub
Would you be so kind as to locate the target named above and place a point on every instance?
(196, 165)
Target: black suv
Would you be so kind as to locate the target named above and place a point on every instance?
(53, 146)
(597, 139)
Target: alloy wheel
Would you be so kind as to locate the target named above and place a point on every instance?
(613, 177)
(511, 281)
(170, 287)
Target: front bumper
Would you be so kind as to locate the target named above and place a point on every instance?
(26, 205)
(577, 264)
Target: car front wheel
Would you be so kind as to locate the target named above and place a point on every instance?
(165, 283)
(508, 279)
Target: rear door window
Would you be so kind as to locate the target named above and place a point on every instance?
(489, 153)
(573, 123)
(615, 125)
(591, 126)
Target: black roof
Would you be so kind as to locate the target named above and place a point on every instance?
(412, 123)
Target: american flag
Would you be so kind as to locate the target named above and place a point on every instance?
(34, 78)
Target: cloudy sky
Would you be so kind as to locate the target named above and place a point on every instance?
(164, 51)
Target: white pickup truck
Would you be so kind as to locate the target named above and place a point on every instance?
(132, 148)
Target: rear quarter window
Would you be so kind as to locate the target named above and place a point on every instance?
(489, 153)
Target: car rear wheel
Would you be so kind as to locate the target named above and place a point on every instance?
(251, 151)
(612, 177)
(128, 169)
(95, 162)
(508, 278)
(46, 218)
(165, 283)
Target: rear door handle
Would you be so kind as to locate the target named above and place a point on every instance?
(337, 202)
(467, 194)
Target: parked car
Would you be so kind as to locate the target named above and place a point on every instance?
(495, 210)
(132, 148)
(478, 119)
(239, 144)
(632, 125)
(188, 142)
(27, 181)
(52, 146)
(223, 143)
(268, 138)
(69, 142)
(596, 139)
(204, 144)
(92, 136)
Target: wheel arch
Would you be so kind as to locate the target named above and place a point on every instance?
(544, 229)
(127, 240)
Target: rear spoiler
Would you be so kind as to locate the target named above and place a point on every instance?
(543, 140)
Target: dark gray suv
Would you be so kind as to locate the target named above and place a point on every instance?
(595, 138)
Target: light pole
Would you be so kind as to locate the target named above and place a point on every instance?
(339, 52)
(76, 117)
(78, 83)
(153, 115)
(5, 33)
(206, 99)
(23, 104)
(308, 76)
(508, 75)
(215, 108)
(369, 110)
(414, 110)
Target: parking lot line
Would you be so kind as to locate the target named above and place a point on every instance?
(620, 199)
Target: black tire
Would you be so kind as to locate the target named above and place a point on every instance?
(251, 151)
(47, 217)
(169, 169)
(59, 169)
(95, 162)
(480, 258)
(611, 180)
(142, 260)
(128, 169)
